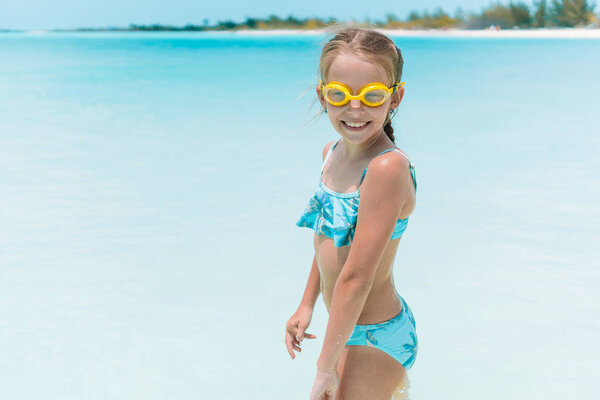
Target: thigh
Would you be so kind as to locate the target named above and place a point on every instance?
(368, 373)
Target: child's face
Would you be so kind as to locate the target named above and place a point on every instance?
(356, 72)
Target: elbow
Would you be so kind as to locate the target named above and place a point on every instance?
(356, 283)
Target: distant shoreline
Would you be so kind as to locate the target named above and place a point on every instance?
(485, 33)
(593, 33)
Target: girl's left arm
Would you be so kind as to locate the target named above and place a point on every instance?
(377, 216)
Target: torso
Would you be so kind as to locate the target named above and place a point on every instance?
(382, 302)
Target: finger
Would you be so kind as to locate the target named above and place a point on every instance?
(300, 334)
(293, 339)
(306, 336)
(309, 335)
(288, 344)
(294, 344)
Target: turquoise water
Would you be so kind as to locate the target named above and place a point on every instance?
(150, 189)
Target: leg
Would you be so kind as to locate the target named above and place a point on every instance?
(369, 373)
(402, 392)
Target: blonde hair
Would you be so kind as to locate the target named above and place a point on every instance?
(369, 45)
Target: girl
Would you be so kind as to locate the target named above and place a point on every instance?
(370, 339)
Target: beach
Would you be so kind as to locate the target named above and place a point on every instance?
(541, 33)
(558, 33)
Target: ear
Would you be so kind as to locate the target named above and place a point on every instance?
(396, 98)
(321, 97)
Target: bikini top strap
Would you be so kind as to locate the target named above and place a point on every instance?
(328, 154)
(411, 167)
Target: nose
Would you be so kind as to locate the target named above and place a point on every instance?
(354, 103)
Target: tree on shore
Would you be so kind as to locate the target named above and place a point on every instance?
(391, 20)
(520, 15)
(572, 12)
(414, 15)
(541, 16)
(515, 14)
(436, 20)
(460, 14)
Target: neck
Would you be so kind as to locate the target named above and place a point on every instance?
(354, 151)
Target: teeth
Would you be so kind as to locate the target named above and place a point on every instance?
(355, 124)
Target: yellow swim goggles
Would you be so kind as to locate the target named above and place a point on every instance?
(372, 94)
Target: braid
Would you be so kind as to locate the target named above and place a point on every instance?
(389, 131)
(387, 125)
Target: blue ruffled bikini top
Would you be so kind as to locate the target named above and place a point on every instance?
(334, 214)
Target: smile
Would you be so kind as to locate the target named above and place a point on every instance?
(355, 125)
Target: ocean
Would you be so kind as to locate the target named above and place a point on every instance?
(151, 183)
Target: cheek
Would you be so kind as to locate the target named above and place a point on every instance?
(380, 114)
(333, 113)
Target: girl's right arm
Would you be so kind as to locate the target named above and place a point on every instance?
(295, 328)
(313, 287)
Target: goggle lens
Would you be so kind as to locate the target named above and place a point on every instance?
(334, 95)
(376, 96)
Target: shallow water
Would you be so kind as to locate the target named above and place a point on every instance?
(151, 185)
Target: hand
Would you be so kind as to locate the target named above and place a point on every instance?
(325, 386)
(295, 330)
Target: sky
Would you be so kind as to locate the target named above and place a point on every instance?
(69, 14)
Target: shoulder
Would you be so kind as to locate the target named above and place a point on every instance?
(391, 164)
(326, 148)
(389, 170)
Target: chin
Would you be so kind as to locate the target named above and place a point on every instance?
(357, 137)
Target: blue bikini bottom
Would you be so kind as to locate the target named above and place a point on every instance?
(396, 336)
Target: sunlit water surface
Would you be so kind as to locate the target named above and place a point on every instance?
(150, 189)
